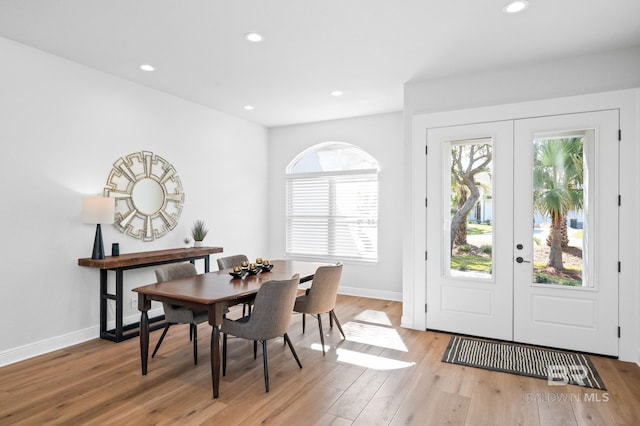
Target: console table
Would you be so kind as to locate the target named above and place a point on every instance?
(121, 263)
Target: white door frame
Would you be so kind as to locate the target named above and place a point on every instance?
(628, 102)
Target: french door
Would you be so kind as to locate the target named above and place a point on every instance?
(522, 230)
(470, 290)
(576, 308)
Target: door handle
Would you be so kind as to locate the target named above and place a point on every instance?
(521, 260)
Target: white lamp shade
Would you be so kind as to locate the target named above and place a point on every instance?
(98, 210)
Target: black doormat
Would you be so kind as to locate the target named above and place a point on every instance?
(557, 366)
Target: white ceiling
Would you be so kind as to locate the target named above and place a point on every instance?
(366, 48)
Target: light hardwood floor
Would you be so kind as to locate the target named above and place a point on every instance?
(381, 375)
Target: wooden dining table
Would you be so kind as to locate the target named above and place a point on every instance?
(213, 292)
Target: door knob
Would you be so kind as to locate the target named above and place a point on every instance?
(521, 260)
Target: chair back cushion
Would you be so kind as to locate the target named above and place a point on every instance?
(272, 309)
(172, 272)
(324, 289)
(231, 261)
(177, 314)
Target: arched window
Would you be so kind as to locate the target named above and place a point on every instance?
(332, 203)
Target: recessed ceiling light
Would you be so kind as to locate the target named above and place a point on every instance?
(516, 6)
(254, 37)
(249, 107)
(337, 93)
(147, 67)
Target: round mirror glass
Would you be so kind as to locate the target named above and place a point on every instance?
(147, 195)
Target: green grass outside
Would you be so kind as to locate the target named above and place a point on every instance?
(478, 229)
(471, 263)
(549, 279)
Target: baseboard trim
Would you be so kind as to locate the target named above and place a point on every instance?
(372, 294)
(20, 353)
(31, 350)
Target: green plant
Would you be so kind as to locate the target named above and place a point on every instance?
(464, 248)
(187, 240)
(486, 249)
(199, 230)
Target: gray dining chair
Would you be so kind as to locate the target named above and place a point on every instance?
(231, 261)
(270, 318)
(320, 298)
(228, 263)
(174, 314)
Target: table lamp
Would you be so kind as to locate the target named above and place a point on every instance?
(98, 210)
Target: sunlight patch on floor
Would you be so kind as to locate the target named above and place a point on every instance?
(375, 317)
(369, 334)
(370, 361)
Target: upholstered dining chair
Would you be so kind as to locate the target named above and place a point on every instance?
(320, 298)
(229, 262)
(177, 314)
(270, 318)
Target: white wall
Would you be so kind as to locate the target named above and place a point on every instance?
(614, 70)
(62, 125)
(539, 87)
(379, 135)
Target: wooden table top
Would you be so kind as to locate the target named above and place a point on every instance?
(147, 257)
(220, 286)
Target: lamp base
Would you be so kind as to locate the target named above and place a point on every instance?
(98, 246)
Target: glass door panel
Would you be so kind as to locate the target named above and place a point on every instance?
(469, 241)
(562, 166)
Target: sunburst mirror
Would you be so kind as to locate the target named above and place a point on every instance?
(149, 195)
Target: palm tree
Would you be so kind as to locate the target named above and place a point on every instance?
(558, 186)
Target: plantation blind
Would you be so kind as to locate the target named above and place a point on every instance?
(333, 215)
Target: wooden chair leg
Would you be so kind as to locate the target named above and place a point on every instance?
(332, 314)
(304, 321)
(164, 333)
(266, 366)
(190, 332)
(195, 343)
(293, 351)
(255, 349)
(330, 320)
(321, 334)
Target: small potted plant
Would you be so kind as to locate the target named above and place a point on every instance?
(187, 242)
(198, 232)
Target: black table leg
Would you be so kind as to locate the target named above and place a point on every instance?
(103, 302)
(215, 359)
(119, 303)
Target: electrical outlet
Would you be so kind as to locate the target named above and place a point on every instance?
(134, 303)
